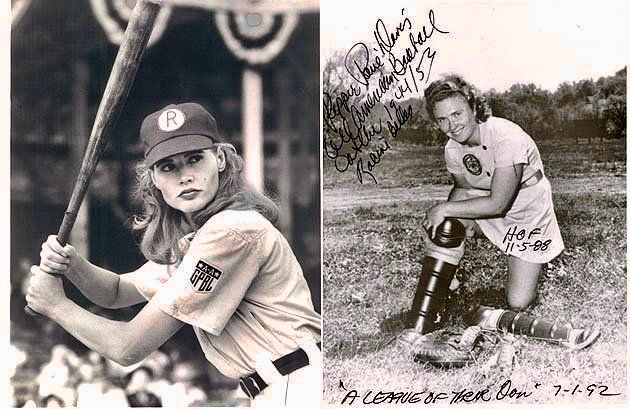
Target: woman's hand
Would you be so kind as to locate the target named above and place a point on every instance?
(57, 259)
(45, 292)
(434, 217)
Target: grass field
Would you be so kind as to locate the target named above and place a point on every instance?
(373, 252)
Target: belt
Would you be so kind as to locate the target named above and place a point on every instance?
(533, 180)
(253, 384)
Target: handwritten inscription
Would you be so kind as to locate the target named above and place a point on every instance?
(504, 391)
(519, 239)
(384, 74)
(590, 390)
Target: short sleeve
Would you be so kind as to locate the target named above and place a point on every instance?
(511, 147)
(149, 278)
(211, 280)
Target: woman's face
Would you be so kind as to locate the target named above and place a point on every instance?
(455, 118)
(190, 180)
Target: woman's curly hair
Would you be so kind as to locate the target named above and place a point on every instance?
(162, 226)
(453, 84)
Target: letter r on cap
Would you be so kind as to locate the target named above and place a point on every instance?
(171, 120)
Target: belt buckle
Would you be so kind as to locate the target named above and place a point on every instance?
(249, 386)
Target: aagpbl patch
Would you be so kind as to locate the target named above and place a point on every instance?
(472, 164)
(204, 277)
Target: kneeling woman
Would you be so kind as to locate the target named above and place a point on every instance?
(499, 188)
(216, 262)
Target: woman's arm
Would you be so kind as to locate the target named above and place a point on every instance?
(503, 188)
(110, 290)
(459, 183)
(123, 342)
(101, 286)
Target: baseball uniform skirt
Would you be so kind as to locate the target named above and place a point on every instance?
(529, 230)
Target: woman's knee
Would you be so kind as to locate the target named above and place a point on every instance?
(520, 301)
(522, 285)
(472, 228)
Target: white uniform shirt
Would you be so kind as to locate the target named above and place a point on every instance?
(529, 230)
(243, 291)
(503, 144)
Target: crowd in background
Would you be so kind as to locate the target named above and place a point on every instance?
(164, 379)
(49, 368)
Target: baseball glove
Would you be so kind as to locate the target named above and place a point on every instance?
(444, 349)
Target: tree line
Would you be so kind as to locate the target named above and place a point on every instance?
(586, 109)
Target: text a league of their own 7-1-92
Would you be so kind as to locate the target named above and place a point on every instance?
(505, 391)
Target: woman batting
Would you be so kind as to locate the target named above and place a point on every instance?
(500, 190)
(215, 261)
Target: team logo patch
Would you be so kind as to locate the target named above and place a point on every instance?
(171, 120)
(472, 164)
(204, 277)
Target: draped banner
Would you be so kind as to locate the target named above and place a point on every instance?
(113, 16)
(254, 30)
(255, 37)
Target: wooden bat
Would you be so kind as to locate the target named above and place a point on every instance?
(124, 70)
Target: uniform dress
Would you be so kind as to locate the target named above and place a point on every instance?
(529, 230)
(241, 288)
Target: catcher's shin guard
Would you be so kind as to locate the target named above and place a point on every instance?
(439, 266)
(520, 323)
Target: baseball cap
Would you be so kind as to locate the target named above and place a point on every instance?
(177, 128)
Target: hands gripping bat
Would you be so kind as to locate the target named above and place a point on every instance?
(126, 64)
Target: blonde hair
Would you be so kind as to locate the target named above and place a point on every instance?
(163, 226)
(453, 84)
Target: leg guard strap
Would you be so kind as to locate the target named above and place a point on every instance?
(524, 324)
(449, 255)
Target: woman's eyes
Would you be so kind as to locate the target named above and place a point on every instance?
(454, 115)
(195, 158)
(167, 167)
(170, 166)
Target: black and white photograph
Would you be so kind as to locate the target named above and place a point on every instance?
(164, 245)
(474, 203)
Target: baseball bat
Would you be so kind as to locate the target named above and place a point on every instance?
(123, 71)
